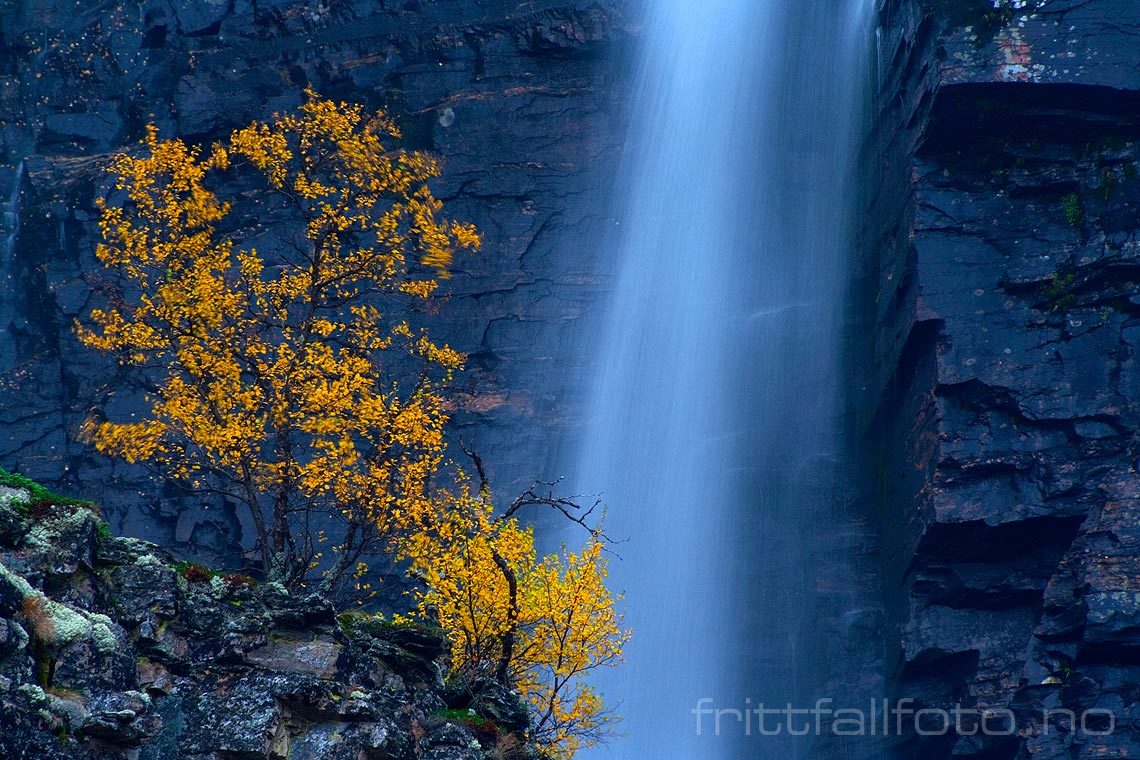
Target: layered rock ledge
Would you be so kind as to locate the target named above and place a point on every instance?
(1005, 234)
(111, 649)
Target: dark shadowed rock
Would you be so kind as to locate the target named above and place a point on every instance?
(157, 665)
(1003, 284)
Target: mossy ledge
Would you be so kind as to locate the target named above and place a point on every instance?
(110, 648)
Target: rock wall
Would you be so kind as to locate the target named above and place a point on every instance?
(521, 100)
(1002, 259)
(108, 650)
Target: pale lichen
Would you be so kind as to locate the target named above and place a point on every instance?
(46, 533)
(149, 560)
(14, 497)
(65, 624)
(18, 581)
(34, 693)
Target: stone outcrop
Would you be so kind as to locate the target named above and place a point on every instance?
(1006, 232)
(108, 649)
(520, 100)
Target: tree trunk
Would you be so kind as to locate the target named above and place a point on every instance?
(502, 672)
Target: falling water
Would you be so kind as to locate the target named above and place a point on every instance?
(10, 217)
(715, 423)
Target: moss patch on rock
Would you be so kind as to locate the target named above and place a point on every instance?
(32, 498)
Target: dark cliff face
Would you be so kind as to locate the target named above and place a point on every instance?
(520, 100)
(1006, 248)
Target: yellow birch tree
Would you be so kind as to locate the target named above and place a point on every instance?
(275, 371)
(542, 625)
(292, 381)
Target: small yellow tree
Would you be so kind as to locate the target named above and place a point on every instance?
(279, 382)
(541, 625)
(274, 371)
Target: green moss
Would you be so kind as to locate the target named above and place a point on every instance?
(1074, 210)
(40, 499)
(454, 715)
(471, 719)
(1065, 303)
(43, 662)
(1058, 295)
(376, 624)
(194, 573)
(354, 621)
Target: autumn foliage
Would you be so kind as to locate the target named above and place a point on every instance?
(288, 376)
(541, 624)
(275, 374)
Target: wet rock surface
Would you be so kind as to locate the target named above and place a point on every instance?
(522, 101)
(110, 650)
(1008, 236)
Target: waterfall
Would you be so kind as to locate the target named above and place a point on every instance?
(715, 423)
(10, 216)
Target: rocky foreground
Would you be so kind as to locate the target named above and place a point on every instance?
(110, 649)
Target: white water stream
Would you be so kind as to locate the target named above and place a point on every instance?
(716, 411)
